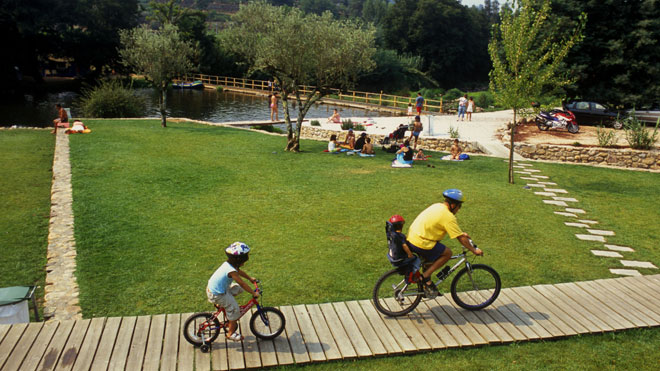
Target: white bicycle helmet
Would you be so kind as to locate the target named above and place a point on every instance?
(237, 253)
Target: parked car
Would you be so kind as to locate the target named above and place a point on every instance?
(592, 113)
(648, 114)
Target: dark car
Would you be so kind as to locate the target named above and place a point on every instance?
(592, 113)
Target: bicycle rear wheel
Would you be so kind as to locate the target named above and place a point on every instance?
(393, 297)
(475, 286)
(267, 323)
(198, 329)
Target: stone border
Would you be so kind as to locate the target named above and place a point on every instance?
(626, 158)
(61, 299)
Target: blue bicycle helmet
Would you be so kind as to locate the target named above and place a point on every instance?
(454, 195)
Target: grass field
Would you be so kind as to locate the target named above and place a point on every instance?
(25, 178)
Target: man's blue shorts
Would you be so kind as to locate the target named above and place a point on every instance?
(428, 255)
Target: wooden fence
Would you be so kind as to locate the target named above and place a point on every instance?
(361, 97)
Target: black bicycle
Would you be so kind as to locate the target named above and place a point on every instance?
(474, 287)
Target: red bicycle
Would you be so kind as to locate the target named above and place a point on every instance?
(202, 328)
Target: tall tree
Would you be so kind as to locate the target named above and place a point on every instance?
(527, 55)
(160, 55)
(299, 49)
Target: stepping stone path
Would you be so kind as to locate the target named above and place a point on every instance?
(596, 235)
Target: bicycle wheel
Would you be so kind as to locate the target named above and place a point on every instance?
(198, 330)
(267, 323)
(392, 297)
(476, 287)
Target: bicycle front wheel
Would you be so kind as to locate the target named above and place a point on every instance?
(199, 329)
(267, 323)
(393, 297)
(475, 286)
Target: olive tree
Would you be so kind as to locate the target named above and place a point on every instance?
(527, 53)
(300, 49)
(159, 55)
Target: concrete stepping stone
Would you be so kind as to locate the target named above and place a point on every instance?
(576, 211)
(541, 176)
(619, 248)
(625, 272)
(556, 190)
(533, 170)
(567, 199)
(638, 264)
(590, 237)
(579, 225)
(553, 202)
(587, 221)
(535, 185)
(522, 172)
(607, 254)
(519, 166)
(524, 164)
(601, 232)
(549, 194)
(548, 183)
(527, 178)
(565, 214)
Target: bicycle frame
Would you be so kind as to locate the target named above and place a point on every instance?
(221, 310)
(463, 260)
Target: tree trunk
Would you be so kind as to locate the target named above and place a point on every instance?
(513, 133)
(163, 106)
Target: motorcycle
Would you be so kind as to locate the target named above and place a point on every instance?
(557, 119)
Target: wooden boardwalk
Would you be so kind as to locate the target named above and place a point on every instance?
(333, 331)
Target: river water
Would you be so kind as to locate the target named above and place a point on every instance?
(206, 105)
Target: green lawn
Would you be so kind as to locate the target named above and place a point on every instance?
(155, 207)
(25, 179)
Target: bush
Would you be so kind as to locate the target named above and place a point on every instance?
(359, 127)
(453, 132)
(110, 99)
(347, 124)
(484, 99)
(606, 138)
(453, 94)
(431, 93)
(637, 135)
(315, 123)
(219, 89)
(268, 128)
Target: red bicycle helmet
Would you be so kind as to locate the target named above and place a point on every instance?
(396, 218)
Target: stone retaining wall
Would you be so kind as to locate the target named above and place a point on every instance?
(432, 144)
(628, 158)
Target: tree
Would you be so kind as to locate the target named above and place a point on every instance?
(299, 49)
(526, 56)
(160, 55)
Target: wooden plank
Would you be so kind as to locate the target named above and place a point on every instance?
(368, 333)
(409, 329)
(235, 351)
(442, 319)
(122, 345)
(341, 338)
(386, 337)
(628, 312)
(139, 343)
(579, 306)
(73, 344)
(171, 342)
(295, 336)
(627, 296)
(397, 331)
(556, 316)
(106, 345)
(23, 346)
(4, 329)
(594, 306)
(56, 346)
(312, 342)
(40, 346)
(529, 322)
(351, 328)
(419, 318)
(457, 318)
(647, 292)
(639, 299)
(481, 322)
(154, 343)
(186, 350)
(512, 323)
(641, 283)
(219, 358)
(267, 351)
(494, 317)
(571, 310)
(13, 336)
(89, 345)
(283, 349)
(538, 313)
(202, 360)
(250, 345)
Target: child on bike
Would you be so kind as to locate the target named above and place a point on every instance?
(221, 291)
(399, 253)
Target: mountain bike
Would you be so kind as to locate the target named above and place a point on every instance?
(202, 328)
(474, 287)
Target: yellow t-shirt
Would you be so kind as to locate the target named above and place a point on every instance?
(431, 225)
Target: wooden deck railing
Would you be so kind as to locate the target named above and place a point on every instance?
(386, 100)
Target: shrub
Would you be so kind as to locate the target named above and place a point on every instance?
(219, 89)
(453, 132)
(347, 124)
(637, 135)
(268, 128)
(359, 127)
(315, 123)
(453, 94)
(606, 138)
(111, 99)
(484, 99)
(577, 144)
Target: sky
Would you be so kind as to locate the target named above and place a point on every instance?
(472, 2)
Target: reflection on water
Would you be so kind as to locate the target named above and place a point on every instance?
(206, 105)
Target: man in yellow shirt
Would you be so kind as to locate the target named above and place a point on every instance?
(430, 227)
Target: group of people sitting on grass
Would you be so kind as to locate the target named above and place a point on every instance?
(361, 145)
